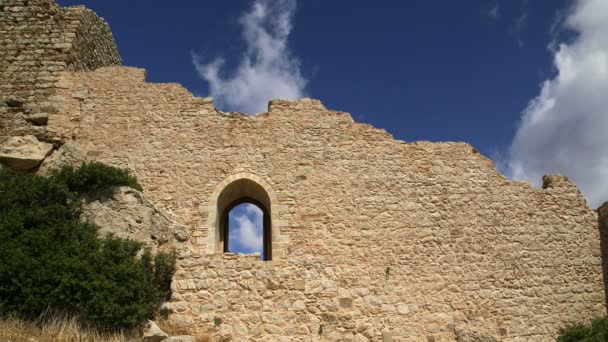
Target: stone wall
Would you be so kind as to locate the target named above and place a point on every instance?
(373, 238)
(383, 238)
(39, 40)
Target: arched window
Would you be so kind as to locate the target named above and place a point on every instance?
(245, 228)
(234, 194)
(249, 190)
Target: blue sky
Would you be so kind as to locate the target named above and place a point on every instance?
(245, 222)
(523, 81)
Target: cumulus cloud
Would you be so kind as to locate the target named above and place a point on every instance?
(267, 69)
(248, 231)
(565, 128)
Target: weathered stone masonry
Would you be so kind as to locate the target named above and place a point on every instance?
(373, 238)
(38, 41)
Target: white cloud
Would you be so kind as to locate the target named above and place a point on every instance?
(250, 228)
(267, 69)
(565, 129)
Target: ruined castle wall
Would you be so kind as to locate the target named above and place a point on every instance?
(39, 40)
(417, 241)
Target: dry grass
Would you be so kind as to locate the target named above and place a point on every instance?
(56, 329)
(64, 329)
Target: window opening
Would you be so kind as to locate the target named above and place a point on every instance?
(246, 228)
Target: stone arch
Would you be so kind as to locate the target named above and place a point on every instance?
(245, 186)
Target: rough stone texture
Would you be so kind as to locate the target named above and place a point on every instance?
(181, 338)
(39, 40)
(474, 332)
(152, 333)
(126, 213)
(24, 153)
(69, 154)
(388, 236)
(373, 238)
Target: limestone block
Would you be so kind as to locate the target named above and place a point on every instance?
(69, 154)
(387, 336)
(152, 333)
(24, 153)
(181, 338)
(300, 284)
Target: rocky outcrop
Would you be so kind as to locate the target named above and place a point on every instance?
(24, 153)
(126, 213)
(69, 154)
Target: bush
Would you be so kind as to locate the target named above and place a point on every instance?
(597, 331)
(51, 260)
(95, 177)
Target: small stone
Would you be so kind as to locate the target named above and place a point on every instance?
(180, 233)
(38, 119)
(273, 329)
(299, 305)
(360, 338)
(181, 338)
(334, 336)
(81, 94)
(14, 102)
(387, 337)
(152, 333)
(346, 302)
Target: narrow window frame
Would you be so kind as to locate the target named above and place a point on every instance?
(266, 226)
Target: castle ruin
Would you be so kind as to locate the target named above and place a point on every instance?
(367, 238)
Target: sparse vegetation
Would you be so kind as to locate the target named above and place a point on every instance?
(95, 176)
(58, 329)
(52, 262)
(596, 331)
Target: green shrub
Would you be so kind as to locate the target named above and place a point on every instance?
(597, 331)
(95, 177)
(50, 260)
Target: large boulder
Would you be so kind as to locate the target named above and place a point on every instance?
(126, 213)
(24, 153)
(69, 154)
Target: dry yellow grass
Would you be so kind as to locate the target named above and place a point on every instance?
(64, 329)
(57, 329)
